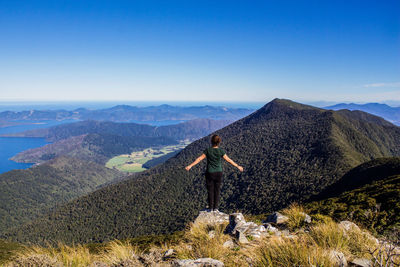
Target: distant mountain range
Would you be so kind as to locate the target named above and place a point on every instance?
(290, 152)
(99, 141)
(193, 129)
(26, 194)
(125, 113)
(389, 113)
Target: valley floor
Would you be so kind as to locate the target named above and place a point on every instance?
(134, 162)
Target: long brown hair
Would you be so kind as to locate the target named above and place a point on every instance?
(215, 140)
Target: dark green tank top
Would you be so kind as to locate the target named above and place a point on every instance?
(214, 156)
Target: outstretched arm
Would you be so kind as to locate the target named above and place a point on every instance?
(203, 156)
(233, 163)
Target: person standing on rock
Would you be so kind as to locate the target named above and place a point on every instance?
(214, 154)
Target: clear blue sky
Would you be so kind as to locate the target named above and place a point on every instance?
(200, 50)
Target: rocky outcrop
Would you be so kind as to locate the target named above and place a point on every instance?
(212, 218)
(276, 218)
(240, 228)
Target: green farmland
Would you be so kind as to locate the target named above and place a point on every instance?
(134, 162)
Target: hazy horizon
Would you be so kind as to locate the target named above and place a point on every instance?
(71, 105)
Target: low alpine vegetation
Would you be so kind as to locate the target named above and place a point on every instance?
(296, 242)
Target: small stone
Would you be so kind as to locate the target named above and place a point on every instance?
(307, 218)
(99, 264)
(167, 254)
(278, 233)
(270, 228)
(229, 244)
(211, 234)
(276, 218)
(285, 232)
(361, 262)
(347, 226)
(241, 238)
(202, 262)
(339, 258)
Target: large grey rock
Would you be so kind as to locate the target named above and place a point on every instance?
(276, 218)
(361, 262)
(212, 218)
(237, 224)
(202, 262)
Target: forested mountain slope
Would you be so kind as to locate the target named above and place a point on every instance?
(187, 130)
(368, 194)
(289, 151)
(93, 147)
(26, 194)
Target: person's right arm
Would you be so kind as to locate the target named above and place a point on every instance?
(232, 162)
(203, 156)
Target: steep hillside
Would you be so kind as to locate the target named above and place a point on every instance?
(289, 151)
(26, 194)
(93, 147)
(187, 130)
(156, 161)
(368, 194)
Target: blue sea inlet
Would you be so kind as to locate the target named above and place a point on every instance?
(10, 146)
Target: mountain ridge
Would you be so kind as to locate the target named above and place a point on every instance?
(391, 114)
(289, 151)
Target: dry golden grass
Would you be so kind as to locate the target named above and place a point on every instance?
(329, 236)
(201, 240)
(118, 251)
(60, 256)
(278, 251)
(197, 242)
(296, 215)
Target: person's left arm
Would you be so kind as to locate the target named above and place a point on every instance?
(232, 162)
(203, 156)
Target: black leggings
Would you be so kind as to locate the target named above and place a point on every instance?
(213, 184)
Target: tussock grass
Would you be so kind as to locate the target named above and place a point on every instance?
(355, 241)
(329, 236)
(296, 215)
(361, 242)
(118, 251)
(53, 256)
(198, 243)
(278, 251)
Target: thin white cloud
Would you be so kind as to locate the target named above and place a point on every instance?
(396, 84)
